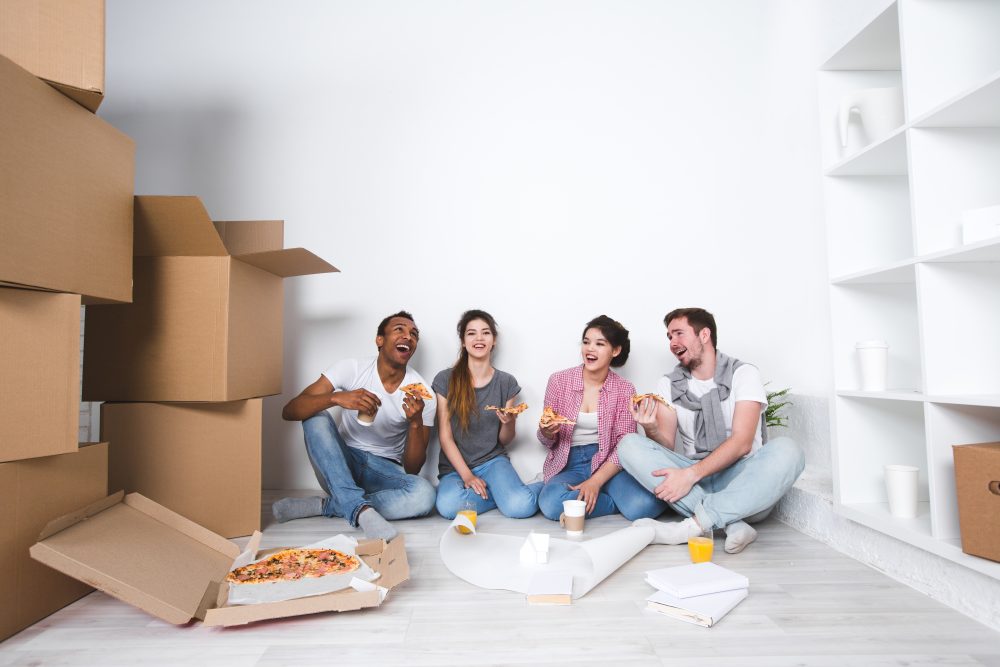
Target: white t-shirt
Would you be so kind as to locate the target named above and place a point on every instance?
(386, 436)
(747, 386)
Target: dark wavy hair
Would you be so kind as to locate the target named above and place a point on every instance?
(616, 334)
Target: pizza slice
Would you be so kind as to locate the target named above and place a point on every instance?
(639, 398)
(514, 410)
(417, 390)
(550, 417)
(295, 564)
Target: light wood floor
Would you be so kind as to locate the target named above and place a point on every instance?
(808, 605)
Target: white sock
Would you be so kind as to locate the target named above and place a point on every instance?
(739, 535)
(673, 532)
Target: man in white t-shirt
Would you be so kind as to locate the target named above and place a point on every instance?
(708, 455)
(369, 466)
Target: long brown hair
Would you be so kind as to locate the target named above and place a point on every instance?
(461, 393)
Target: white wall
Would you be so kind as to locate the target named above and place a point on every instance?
(545, 160)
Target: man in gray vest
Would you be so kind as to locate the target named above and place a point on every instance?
(707, 454)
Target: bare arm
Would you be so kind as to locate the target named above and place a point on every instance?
(507, 425)
(417, 435)
(320, 395)
(590, 488)
(678, 481)
(658, 421)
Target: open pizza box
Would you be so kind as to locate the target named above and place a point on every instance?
(142, 553)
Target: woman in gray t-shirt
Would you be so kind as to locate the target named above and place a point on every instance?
(474, 471)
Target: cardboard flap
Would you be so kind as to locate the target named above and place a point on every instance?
(174, 226)
(64, 522)
(288, 263)
(142, 554)
(244, 237)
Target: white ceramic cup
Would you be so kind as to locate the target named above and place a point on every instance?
(873, 357)
(901, 484)
(572, 517)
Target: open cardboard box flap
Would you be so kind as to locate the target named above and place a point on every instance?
(142, 553)
(181, 227)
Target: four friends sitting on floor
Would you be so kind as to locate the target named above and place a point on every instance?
(705, 453)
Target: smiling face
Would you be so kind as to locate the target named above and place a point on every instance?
(478, 339)
(596, 351)
(689, 347)
(399, 342)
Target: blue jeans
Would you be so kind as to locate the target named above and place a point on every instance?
(505, 489)
(354, 479)
(621, 493)
(747, 489)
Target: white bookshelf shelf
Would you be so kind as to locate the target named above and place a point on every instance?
(899, 271)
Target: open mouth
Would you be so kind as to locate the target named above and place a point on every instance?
(590, 358)
(680, 352)
(403, 348)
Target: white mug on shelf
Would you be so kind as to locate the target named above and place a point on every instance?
(901, 487)
(880, 111)
(873, 357)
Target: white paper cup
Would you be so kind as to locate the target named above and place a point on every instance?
(573, 516)
(901, 486)
(873, 356)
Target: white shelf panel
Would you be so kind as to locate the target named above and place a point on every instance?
(882, 158)
(875, 47)
(916, 532)
(977, 107)
(981, 400)
(983, 251)
(890, 395)
(897, 272)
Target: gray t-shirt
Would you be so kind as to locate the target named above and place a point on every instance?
(480, 442)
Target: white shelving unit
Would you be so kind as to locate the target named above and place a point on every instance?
(899, 271)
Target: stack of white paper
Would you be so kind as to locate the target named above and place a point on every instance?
(700, 593)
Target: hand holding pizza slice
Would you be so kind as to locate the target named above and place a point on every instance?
(639, 398)
(417, 390)
(552, 418)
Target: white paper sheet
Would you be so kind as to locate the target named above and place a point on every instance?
(289, 590)
(493, 561)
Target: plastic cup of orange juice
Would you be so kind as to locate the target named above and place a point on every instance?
(700, 546)
(469, 512)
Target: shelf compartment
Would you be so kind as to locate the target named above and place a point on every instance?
(868, 223)
(832, 87)
(976, 107)
(874, 47)
(953, 170)
(960, 317)
(948, 425)
(948, 46)
(884, 311)
(871, 435)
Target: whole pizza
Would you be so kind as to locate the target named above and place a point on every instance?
(295, 564)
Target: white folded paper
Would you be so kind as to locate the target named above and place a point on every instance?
(494, 562)
(289, 590)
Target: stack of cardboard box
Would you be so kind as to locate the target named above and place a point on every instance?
(66, 182)
(184, 365)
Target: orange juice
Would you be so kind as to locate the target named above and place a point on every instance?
(700, 549)
(471, 516)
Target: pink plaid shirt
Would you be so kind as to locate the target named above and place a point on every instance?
(564, 394)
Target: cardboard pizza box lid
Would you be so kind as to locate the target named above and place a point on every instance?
(150, 557)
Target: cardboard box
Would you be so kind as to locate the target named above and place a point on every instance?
(66, 196)
(33, 493)
(201, 460)
(60, 41)
(39, 373)
(977, 483)
(143, 554)
(206, 323)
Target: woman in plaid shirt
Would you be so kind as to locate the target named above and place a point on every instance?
(582, 463)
